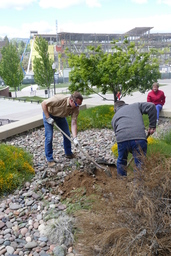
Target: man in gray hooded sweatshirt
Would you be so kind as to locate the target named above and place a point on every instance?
(130, 133)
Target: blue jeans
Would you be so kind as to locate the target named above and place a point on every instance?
(63, 124)
(136, 147)
(158, 108)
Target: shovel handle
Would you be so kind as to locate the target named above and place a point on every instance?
(83, 151)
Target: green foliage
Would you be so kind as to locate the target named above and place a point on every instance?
(10, 69)
(125, 67)
(15, 168)
(160, 147)
(97, 117)
(43, 72)
(167, 138)
(6, 40)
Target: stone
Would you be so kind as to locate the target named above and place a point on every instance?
(59, 251)
(30, 245)
(2, 224)
(14, 206)
(9, 249)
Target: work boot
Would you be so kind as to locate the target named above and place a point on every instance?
(70, 156)
(51, 164)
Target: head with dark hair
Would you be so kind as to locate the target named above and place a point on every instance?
(76, 99)
(118, 104)
(76, 95)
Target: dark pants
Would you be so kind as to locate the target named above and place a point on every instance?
(136, 147)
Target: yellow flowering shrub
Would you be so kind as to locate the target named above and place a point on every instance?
(151, 140)
(15, 168)
(114, 149)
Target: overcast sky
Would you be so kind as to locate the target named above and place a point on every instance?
(19, 17)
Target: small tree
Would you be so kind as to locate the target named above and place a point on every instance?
(6, 40)
(43, 72)
(125, 67)
(10, 69)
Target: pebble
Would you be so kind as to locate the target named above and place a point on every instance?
(26, 214)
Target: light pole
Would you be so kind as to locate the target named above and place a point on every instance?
(53, 67)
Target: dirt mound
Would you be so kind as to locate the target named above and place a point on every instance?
(89, 183)
(122, 217)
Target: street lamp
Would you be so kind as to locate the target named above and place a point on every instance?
(53, 67)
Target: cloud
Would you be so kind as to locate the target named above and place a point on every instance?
(167, 2)
(58, 4)
(15, 4)
(93, 3)
(140, 1)
(160, 24)
(43, 27)
(67, 3)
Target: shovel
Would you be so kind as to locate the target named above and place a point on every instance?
(106, 170)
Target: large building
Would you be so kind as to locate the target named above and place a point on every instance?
(78, 42)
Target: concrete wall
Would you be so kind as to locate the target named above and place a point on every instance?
(4, 91)
(18, 127)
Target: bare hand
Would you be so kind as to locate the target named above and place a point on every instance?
(151, 130)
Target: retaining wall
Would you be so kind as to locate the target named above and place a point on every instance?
(18, 127)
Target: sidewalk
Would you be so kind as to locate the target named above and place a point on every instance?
(15, 110)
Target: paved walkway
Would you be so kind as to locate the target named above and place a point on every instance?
(15, 110)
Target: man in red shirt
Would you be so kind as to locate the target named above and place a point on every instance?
(157, 97)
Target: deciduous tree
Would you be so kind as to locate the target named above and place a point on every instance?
(10, 69)
(126, 68)
(43, 72)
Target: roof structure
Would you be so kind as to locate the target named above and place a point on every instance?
(88, 36)
(67, 36)
(138, 31)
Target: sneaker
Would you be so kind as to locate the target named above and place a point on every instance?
(51, 164)
(70, 156)
(157, 122)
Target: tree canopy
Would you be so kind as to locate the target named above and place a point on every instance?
(10, 69)
(126, 68)
(43, 72)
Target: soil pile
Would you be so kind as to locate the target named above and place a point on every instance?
(122, 216)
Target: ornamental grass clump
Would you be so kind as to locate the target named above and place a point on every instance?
(15, 168)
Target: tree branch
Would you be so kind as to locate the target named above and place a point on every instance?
(104, 98)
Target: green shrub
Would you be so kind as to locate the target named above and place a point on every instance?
(98, 117)
(15, 168)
